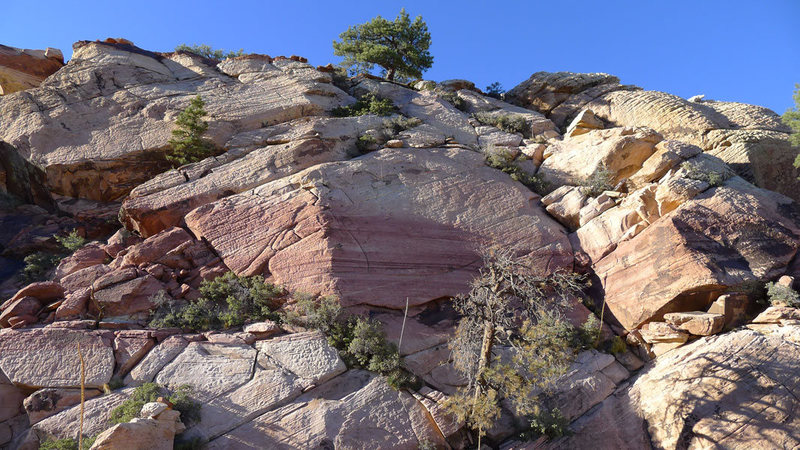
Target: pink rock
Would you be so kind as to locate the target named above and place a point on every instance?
(129, 297)
(74, 305)
(44, 290)
(116, 276)
(129, 349)
(25, 306)
(119, 241)
(84, 278)
(155, 247)
(84, 257)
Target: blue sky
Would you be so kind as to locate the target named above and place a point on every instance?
(746, 51)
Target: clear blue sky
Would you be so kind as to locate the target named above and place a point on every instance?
(733, 50)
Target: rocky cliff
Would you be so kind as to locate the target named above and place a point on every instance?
(675, 209)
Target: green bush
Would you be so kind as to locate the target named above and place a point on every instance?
(366, 143)
(588, 335)
(187, 144)
(206, 51)
(510, 123)
(504, 161)
(226, 301)
(618, 346)
(369, 103)
(396, 125)
(597, 183)
(778, 294)
(454, 99)
(494, 90)
(551, 423)
(72, 241)
(695, 172)
(38, 265)
(149, 392)
(361, 342)
(67, 444)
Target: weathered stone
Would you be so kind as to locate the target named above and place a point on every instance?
(152, 409)
(698, 323)
(75, 305)
(129, 350)
(84, 257)
(433, 401)
(262, 329)
(155, 247)
(129, 297)
(138, 434)
(775, 314)
(307, 355)
(24, 306)
(544, 91)
(84, 278)
(584, 385)
(45, 291)
(733, 390)
(97, 412)
(155, 360)
(585, 121)
(47, 402)
(594, 207)
(12, 399)
(620, 151)
(110, 111)
(723, 237)
(389, 211)
(733, 307)
(211, 369)
(48, 357)
(22, 69)
(661, 332)
(354, 410)
(565, 205)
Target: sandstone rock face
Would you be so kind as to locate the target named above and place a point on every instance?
(22, 69)
(750, 138)
(364, 228)
(111, 109)
(49, 357)
(155, 433)
(354, 410)
(682, 262)
(734, 390)
(307, 355)
(46, 402)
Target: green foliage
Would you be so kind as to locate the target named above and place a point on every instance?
(695, 172)
(71, 242)
(206, 51)
(551, 423)
(494, 90)
(504, 161)
(398, 124)
(792, 118)
(67, 444)
(149, 392)
(778, 295)
(454, 99)
(187, 144)
(400, 47)
(366, 143)
(360, 341)
(510, 123)
(618, 345)
(369, 103)
(532, 356)
(226, 301)
(38, 265)
(589, 333)
(597, 183)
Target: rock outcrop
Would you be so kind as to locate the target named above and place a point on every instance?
(22, 69)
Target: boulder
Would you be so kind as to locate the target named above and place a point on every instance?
(211, 369)
(733, 390)
(262, 329)
(152, 363)
(48, 357)
(140, 434)
(100, 124)
(723, 237)
(306, 355)
(733, 307)
(698, 323)
(777, 314)
(658, 332)
(620, 151)
(25, 306)
(565, 204)
(354, 410)
(44, 291)
(96, 417)
(47, 402)
(363, 228)
(128, 297)
(84, 278)
(585, 121)
(84, 257)
(155, 247)
(74, 305)
(129, 349)
(22, 69)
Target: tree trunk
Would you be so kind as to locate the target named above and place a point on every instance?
(485, 357)
(390, 74)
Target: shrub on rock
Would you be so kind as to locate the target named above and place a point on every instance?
(187, 144)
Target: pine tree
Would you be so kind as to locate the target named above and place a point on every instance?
(400, 47)
(188, 144)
